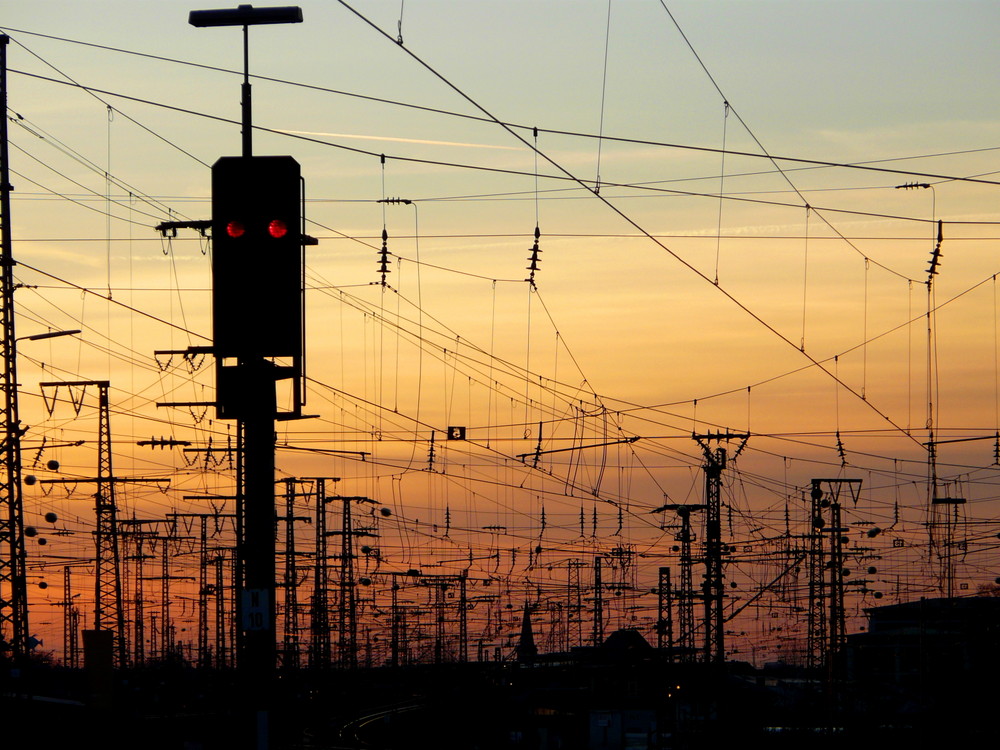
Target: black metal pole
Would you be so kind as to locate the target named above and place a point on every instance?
(259, 547)
(246, 103)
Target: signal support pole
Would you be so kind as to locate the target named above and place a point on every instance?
(257, 548)
(264, 279)
(245, 16)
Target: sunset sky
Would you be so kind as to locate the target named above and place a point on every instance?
(794, 307)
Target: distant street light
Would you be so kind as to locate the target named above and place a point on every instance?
(245, 16)
(49, 335)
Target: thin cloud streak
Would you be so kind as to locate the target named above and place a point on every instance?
(400, 140)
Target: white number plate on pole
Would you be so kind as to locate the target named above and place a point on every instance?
(255, 609)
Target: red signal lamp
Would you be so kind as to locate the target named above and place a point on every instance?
(277, 229)
(235, 229)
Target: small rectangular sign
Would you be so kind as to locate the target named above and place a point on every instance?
(256, 609)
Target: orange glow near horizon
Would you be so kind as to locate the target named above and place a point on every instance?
(796, 308)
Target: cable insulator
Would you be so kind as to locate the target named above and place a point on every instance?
(533, 259)
(936, 253)
(383, 263)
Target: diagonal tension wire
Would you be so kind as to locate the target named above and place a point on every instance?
(90, 91)
(629, 220)
(862, 165)
(767, 154)
(570, 178)
(130, 308)
(865, 165)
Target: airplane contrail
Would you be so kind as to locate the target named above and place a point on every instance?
(401, 140)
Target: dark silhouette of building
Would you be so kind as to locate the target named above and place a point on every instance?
(929, 664)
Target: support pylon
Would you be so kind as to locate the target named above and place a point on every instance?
(685, 594)
(109, 608)
(347, 641)
(574, 605)
(713, 586)
(14, 633)
(827, 622)
(71, 623)
(319, 650)
(291, 652)
(597, 637)
(664, 618)
(221, 611)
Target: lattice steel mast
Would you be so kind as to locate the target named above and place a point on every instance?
(319, 651)
(109, 608)
(13, 560)
(713, 588)
(684, 595)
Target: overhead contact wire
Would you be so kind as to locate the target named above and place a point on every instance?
(634, 224)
